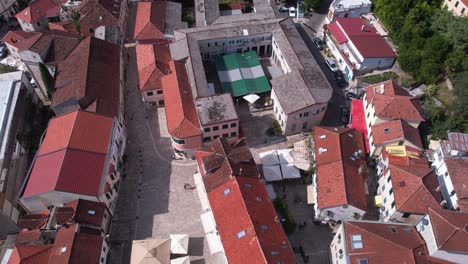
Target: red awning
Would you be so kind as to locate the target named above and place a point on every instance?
(358, 120)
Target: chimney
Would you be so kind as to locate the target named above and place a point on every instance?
(363, 27)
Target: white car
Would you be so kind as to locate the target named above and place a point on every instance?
(292, 12)
(331, 64)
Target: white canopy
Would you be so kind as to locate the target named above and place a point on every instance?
(151, 251)
(269, 158)
(290, 171)
(311, 194)
(272, 173)
(302, 155)
(179, 243)
(208, 222)
(205, 203)
(285, 156)
(182, 260)
(214, 243)
(251, 98)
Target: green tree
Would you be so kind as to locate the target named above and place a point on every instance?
(47, 79)
(312, 4)
(75, 16)
(4, 68)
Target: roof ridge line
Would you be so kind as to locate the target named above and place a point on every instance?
(384, 238)
(445, 220)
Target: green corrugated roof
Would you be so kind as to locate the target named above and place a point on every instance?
(244, 86)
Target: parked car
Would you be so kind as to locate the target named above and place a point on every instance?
(351, 96)
(283, 9)
(3, 51)
(292, 12)
(331, 64)
(340, 79)
(344, 115)
(318, 43)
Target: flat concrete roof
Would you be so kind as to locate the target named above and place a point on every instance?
(215, 109)
(303, 86)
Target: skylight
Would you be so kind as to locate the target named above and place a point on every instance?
(241, 234)
(227, 191)
(91, 212)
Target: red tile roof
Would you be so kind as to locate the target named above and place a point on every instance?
(458, 141)
(457, 169)
(88, 78)
(82, 212)
(384, 243)
(39, 9)
(30, 254)
(340, 169)
(394, 102)
(181, 115)
(154, 64)
(450, 229)
(21, 39)
(368, 42)
(28, 236)
(33, 221)
(414, 183)
(358, 120)
(74, 147)
(79, 248)
(150, 20)
(111, 6)
(396, 130)
(247, 206)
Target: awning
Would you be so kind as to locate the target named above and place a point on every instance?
(358, 120)
(251, 98)
(272, 173)
(269, 158)
(147, 251)
(378, 200)
(208, 222)
(214, 243)
(182, 260)
(311, 194)
(285, 156)
(179, 243)
(290, 171)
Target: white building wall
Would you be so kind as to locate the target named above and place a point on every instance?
(39, 25)
(153, 98)
(338, 250)
(443, 177)
(227, 129)
(457, 7)
(37, 203)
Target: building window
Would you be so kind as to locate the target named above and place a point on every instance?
(91, 30)
(233, 134)
(263, 227)
(104, 249)
(241, 234)
(323, 108)
(206, 139)
(389, 178)
(215, 128)
(102, 260)
(463, 11)
(456, 5)
(385, 200)
(248, 185)
(225, 126)
(259, 198)
(149, 93)
(225, 135)
(391, 191)
(39, 23)
(227, 191)
(363, 261)
(452, 193)
(233, 124)
(393, 204)
(274, 253)
(178, 141)
(207, 129)
(356, 241)
(159, 91)
(306, 114)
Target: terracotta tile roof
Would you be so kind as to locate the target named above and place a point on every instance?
(384, 243)
(368, 42)
(414, 184)
(150, 20)
(33, 221)
(80, 211)
(225, 159)
(62, 44)
(396, 130)
(181, 115)
(394, 102)
(154, 63)
(30, 254)
(457, 169)
(111, 6)
(74, 147)
(89, 75)
(39, 9)
(450, 229)
(341, 169)
(458, 141)
(21, 39)
(28, 236)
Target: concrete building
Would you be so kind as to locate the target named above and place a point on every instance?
(457, 7)
(242, 216)
(348, 8)
(36, 16)
(47, 48)
(15, 102)
(8, 9)
(80, 157)
(376, 242)
(406, 185)
(155, 70)
(340, 175)
(358, 47)
(89, 79)
(445, 233)
(450, 161)
(218, 117)
(387, 101)
(300, 92)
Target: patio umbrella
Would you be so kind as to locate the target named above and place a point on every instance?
(179, 243)
(182, 260)
(151, 251)
(251, 98)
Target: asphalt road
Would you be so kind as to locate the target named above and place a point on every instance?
(333, 114)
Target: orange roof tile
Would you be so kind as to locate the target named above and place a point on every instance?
(154, 64)
(39, 9)
(457, 169)
(396, 130)
(181, 115)
(450, 229)
(341, 169)
(150, 20)
(394, 102)
(30, 254)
